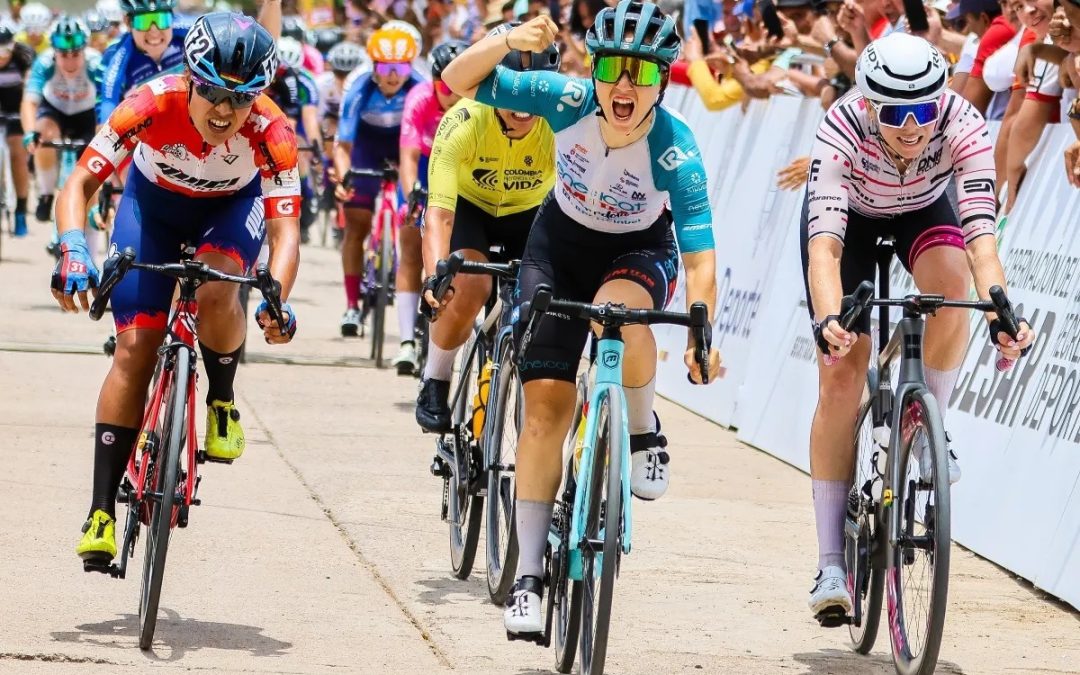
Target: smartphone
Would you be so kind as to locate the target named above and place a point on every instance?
(916, 16)
(772, 19)
(701, 27)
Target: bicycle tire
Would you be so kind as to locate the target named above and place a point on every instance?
(863, 501)
(382, 299)
(502, 548)
(245, 298)
(465, 510)
(921, 414)
(564, 592)
(596, 608)
(161, 516)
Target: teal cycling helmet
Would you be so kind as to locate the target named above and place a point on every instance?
(635, 29)
(68, 33)
(131, 7)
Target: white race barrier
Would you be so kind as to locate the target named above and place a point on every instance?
(1017, 434)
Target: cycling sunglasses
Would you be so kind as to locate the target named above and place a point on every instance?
(609, 68)
(68, 43)
(147, 20)
(895, 115)
(388, 69)
(215, 95)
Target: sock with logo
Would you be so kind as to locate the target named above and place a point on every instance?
(112, 448)
(941, 384)
(533, 520)
(220, 373)
(352, 290)
(407, 303)
(440, 362)
(830, 506)
(639, 407)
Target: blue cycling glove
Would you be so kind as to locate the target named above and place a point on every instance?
(75, 271)
(286, 309)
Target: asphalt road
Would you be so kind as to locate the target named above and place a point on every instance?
(321, 550)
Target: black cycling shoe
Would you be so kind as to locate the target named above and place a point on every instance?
(432, 407)
(43, 212)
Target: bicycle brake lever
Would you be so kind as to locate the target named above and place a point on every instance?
(271, 292)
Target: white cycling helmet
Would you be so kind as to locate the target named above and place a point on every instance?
(345, 57)
(901, 68)
(110, 9)
(291, 52)
(408, 28)
(35, 17)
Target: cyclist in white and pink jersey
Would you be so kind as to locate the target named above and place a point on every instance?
(883, 159)
(424, 108)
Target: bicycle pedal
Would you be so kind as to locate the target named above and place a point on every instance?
(536, 638)
(833, 617)
(200, 457)
(215, 460)
(103, 566)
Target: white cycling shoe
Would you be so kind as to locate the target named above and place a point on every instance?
(350, 322)
(926, 466)
(524, 613)
(649, 472)
(830, 597)
(406, 360)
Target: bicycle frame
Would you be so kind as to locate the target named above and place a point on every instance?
(385, 221)
(608, 386)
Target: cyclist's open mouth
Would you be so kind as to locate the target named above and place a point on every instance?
(218, 125)
(910, 141)
(521, 117)
(622, 107)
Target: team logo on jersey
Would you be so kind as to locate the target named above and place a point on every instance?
(488, 178)
(95, 164)
(673, 158)
(229, 159)
(637, 195)
(462, 115)
(528, 160)
(130, 133)
(176, 150)
(815, 168)
(175, 174)
(927, 163)
(573, 95)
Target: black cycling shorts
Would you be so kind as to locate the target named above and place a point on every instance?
(914, 232)
(80, 126)
(479, 230)
(575, 262)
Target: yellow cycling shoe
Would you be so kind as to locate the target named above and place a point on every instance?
(224, 435)
(99, 538)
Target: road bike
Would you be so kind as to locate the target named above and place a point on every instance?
(7, 184)
(897, 530)
(591, 524)
(161, 482)
(476, 458)
(380, 256)
(68, 151)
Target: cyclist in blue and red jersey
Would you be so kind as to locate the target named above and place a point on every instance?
(214, 166)
(371, 111)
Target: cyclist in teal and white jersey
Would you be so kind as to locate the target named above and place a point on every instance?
(628, 170)
(59, 102)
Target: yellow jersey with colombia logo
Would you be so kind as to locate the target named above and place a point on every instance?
(471, 157)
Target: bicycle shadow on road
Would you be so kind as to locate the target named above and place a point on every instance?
(843, 662)
(441, 588)
(175, 636)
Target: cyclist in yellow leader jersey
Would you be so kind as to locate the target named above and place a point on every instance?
(488, 173)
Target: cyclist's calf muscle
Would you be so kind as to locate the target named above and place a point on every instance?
(549, 406)
(455, 321)
(840, 389)
(123, 393)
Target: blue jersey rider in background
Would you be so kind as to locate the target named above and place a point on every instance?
(58, 102)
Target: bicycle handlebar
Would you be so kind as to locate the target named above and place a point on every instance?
(120, 264)
(77, 146)
(387, 173)
(611, 315)
(999, 304)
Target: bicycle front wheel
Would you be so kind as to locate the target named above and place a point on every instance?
(603, 534)
(465, 503)
(382, 297)
(501, 437)
(163, 479)
(862, 535)
(917, 577)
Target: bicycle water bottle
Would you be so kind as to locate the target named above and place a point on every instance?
(579, 437)
(480, 399)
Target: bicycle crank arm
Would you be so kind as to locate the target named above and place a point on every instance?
(112, 570)
(539, 639)
(833, 617)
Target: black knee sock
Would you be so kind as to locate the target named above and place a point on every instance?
(112, 448)
(20, 205)
(220, 373)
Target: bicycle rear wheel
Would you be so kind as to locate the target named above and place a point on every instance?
(917, 578)
(563, 592)
(862, 532)
(601, 549)
(382, 291)
(163, 477)
(501, 439)
(465, 503)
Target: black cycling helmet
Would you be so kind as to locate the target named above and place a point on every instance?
(549, 59)
(232, 51)
(327, 38)
(7, 35)
(143, 6)
(441, 56)
(293, 26)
